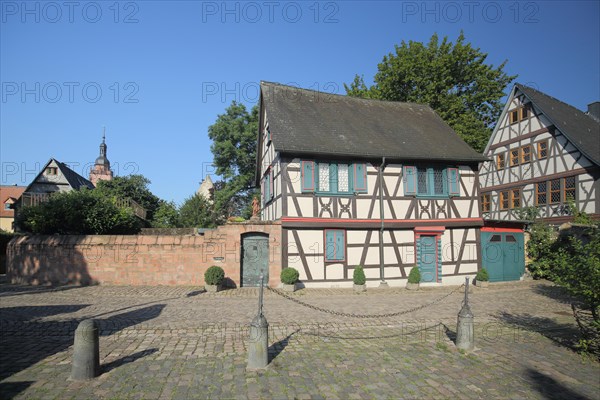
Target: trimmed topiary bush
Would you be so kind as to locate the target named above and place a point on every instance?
(359, 277)
(289, 276)
(482, 275)
(214, 275)
(415, 275)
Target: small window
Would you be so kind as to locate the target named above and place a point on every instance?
(496, 238)
(524, 112)
(514, 116)
(525, 154)
(504, 200)
(510, 239)
(542, 150)
(335, 245)
(514, 157)
(485, 202)
(555, 191)
(268, 135)
(569, 183)
(7, 206)
(500, 161)
(52, 171)
(541, 190)
(515, 198)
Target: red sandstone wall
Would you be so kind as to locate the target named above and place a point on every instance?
(136, 260)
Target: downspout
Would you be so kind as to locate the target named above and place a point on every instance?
(383, 283)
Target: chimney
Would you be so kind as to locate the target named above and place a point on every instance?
(594, 110)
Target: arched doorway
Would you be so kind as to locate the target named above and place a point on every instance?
(255, 259)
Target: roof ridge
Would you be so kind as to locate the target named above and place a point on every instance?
(552, 97)
(345, 96)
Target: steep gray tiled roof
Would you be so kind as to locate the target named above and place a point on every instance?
(75, 180)
(306, 122)
(581, 129)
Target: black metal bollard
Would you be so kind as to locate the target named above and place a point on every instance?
(465, 332)
(258, 344)
(86, 352)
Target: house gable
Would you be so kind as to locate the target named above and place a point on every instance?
(542, 153)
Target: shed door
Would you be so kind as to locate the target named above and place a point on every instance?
(503, 255)
(255, 260)
(428, 258)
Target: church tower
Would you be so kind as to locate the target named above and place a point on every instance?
(101, 170)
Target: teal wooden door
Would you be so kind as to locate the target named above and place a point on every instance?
(427, 253)
(255, 259)
(514, 257)
(503, 255)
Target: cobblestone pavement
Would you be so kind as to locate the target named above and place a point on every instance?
(180, 343)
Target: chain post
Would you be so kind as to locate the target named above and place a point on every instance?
(465, 331)
(258, 346)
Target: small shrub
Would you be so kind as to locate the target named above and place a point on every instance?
(214, 275)
(415, 275)
(359, 277)
(289, 276)
(482, 275)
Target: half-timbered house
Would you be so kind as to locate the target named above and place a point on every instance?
(545, 158)
(545, 154)
(385, 185)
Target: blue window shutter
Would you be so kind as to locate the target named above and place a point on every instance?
(339, 245)
(453, 183)
(410, 180)
(308, 176)
(329, 245)
(360, 178)
(271, 184)
(267, 184)
(267, 193)
(333, 178)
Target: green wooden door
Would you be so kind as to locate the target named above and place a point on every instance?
(255, 259)
(427, 249)
(503, 255)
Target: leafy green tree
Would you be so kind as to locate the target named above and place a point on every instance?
(134, 187)
(234, 150)
(166, 215)
(576, 266)
(78, 212)
(452, 78)
(197, 212)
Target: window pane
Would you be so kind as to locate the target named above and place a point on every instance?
(514, 157)
(542, 150)
(526, 154)
(438, 181)
(324, 177)
(516, 198)
(510, 238)
(422, 180)
(343, 178)
(500, 161)
(570, 188)
(496, 238)
(504, 200)
(555, 191)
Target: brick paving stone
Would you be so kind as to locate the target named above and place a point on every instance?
(158, 342)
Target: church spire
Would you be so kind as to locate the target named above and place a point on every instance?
(101, 169)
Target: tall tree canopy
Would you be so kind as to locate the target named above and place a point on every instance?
(197, 212)
(234, 150)
(452, 78)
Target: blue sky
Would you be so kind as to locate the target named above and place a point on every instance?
(156, 74)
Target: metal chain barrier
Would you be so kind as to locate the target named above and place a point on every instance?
(351, 315)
